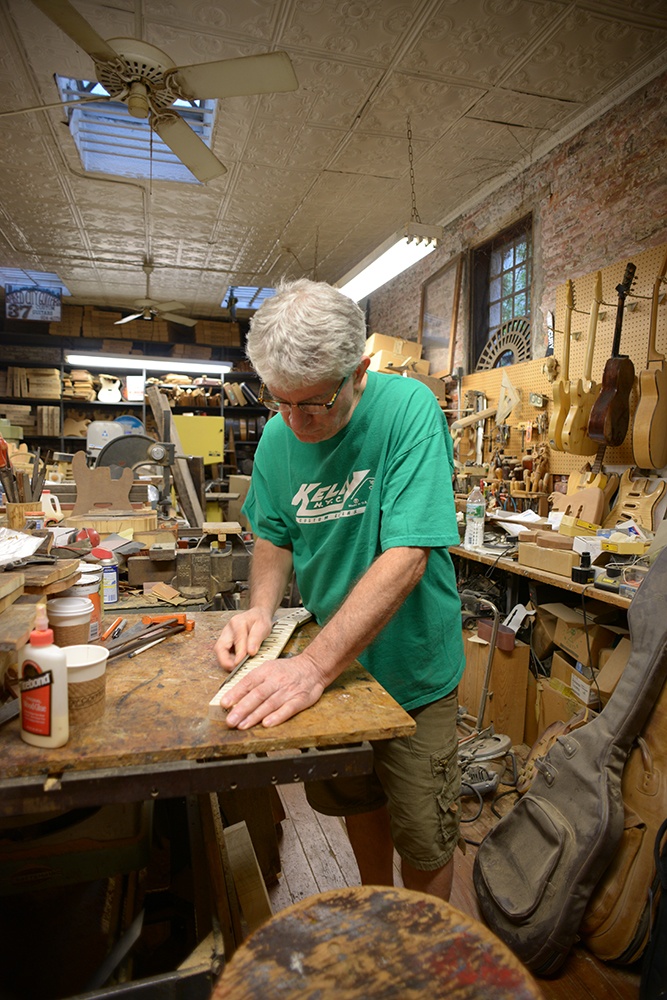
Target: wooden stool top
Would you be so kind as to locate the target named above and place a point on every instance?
(374, 943)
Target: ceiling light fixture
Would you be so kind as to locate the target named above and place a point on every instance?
(407, 246)
(147, 364)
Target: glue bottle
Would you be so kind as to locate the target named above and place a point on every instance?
(43, 687)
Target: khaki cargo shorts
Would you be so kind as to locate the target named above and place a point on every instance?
(418, 778)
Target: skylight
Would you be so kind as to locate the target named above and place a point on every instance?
(43, 279)
(111, 141)
(247, 297)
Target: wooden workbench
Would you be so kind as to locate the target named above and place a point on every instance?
(155, 738)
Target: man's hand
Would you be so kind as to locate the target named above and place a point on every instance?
(273, 692)
(242, 636)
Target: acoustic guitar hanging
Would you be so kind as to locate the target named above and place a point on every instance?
(561, 403)
(584, 392)
(649, 428)
(610, 415)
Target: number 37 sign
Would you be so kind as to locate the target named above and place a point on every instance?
(32, 302)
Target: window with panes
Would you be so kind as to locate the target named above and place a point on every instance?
(501, 276)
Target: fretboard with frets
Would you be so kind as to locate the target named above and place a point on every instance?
(271, 648)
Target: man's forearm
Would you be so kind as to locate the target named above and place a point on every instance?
(270, 573)
(371, 603)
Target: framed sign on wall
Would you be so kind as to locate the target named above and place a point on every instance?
(438, 316)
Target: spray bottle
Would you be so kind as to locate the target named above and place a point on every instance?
(43, 687)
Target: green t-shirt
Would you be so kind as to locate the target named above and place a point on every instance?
(384, 480)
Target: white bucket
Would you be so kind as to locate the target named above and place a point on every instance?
(69, 617)
(86, 682)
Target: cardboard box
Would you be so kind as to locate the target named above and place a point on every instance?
(582, 687)
(557, 703)
(610, 672)
(530, 730)
(506, 704)
(543, 638)
(556, 561)
(395, 345)
(386, 361)
(571, 632)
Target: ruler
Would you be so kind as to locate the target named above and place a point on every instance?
(270, 649)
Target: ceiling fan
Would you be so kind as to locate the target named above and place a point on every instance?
(147, 81)
(150, 308)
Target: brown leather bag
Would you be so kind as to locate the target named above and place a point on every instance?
(620, 912)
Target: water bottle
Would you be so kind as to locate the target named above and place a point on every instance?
(475, 510)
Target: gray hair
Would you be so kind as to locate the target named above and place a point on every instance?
(307, 333)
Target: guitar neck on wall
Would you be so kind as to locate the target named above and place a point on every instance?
(610, 415)
(584, 392)
(561, 391)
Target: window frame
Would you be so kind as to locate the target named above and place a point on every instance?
(480, 281)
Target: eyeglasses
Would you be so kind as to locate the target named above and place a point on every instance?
(270, 403)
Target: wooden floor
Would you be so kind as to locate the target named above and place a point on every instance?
(316, 856)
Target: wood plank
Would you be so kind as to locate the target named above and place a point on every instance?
(10, 582)
(53, 588)
(10, 598)
(185, 488)
(41, 575)
(16, 624)
(318, 850)
(247, 875)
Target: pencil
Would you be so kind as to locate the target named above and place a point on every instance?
(147, 646)
(114, 625)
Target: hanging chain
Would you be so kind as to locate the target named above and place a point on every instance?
(415, 213)
(317, 244)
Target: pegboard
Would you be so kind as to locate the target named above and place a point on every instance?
(530, 376)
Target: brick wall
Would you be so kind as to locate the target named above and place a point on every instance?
(597, 198)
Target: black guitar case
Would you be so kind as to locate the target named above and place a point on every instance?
(535, 870)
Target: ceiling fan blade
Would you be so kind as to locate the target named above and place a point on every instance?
(269, 73)
(169, 306)
(77, 28)
(187, 146)
(126, 319)
(173, 318)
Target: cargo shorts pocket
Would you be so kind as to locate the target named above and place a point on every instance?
(445, 765)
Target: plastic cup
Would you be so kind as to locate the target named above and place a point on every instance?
(86, 682)
(69, 617)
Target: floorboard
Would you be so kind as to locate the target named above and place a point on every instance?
(316, 856)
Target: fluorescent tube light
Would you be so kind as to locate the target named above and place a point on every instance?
(147, 364)
(407, 246)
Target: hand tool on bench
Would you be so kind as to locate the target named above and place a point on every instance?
(139, 635)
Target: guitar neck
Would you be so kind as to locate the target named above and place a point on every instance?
(592, 327)
(622, 290)
(653, 355)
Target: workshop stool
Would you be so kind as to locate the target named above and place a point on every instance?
(374, 943)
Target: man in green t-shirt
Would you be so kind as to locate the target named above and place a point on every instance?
(351, 490)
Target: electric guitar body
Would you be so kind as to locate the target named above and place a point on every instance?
(561, 390)
(584, 392)
(610, 416)
(649, 428)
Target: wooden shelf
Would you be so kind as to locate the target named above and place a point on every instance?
(510, 566)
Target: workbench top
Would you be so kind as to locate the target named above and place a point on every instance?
(157, 712)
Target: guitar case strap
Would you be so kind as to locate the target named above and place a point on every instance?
(536, 869)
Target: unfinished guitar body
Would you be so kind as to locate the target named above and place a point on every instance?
(635, 502)
(649, 428)
(575, 437)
